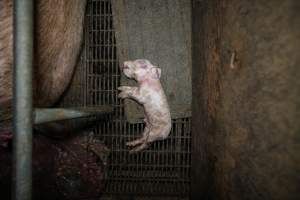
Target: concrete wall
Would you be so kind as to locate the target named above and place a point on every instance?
(246, 99)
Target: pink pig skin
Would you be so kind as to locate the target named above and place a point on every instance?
(150, 94)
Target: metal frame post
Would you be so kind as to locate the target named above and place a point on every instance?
(22, 99)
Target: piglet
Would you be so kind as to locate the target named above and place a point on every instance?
(150, 94)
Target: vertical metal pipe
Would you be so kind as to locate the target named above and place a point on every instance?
(22, 95)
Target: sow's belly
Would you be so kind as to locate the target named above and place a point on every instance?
(57, 42)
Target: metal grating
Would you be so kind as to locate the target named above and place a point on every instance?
(164, 168)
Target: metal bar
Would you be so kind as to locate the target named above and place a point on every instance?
(43, 115)
(22, 104)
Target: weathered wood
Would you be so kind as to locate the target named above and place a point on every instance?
(205, 34)
(248, 141)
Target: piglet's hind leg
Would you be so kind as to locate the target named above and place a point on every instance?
(140, 140)
(136, 142)
(139, 148)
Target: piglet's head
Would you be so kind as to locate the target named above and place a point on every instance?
(140, 70)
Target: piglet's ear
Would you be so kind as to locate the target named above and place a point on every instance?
(156, 72)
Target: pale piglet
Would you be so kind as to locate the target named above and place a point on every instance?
(150, 94)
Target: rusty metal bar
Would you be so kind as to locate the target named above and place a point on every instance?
(43, 115)
(22, 95)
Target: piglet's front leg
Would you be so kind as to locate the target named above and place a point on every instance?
(130, 92)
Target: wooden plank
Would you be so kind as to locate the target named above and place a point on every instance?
(205, 23)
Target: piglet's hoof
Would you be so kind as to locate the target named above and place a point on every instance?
(138, 144)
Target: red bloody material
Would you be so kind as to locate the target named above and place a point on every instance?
(62, 169)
